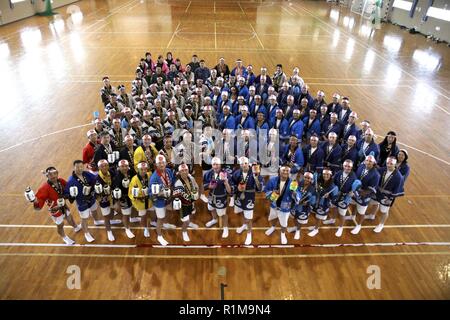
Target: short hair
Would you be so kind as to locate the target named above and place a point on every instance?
(77, 162)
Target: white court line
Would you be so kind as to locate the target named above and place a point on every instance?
(216, 256)
(225, 246)
(45, 135)
(377, 52)
(399, 226)
(290, 13)
(185, 11)
(214, 7)
(173, 36)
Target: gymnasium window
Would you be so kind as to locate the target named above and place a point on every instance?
(401, 4)
(438, 13)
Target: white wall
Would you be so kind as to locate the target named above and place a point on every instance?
(401, 17)
(25, 9)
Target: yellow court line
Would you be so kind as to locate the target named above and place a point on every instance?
(218, 257)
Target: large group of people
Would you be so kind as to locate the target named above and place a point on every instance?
(140, 159)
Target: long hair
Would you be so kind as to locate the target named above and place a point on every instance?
(385, 143)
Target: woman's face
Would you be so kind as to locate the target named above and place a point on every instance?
(401, 156)
(390, 139)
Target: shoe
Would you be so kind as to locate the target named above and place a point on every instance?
(162, 241)
(146, 233)
(297, 235)
(68, 241)
(168, 226)
(330, 221)
(204, 198)
(116, 221)
(231, 204)
(193, 225)
(135, 219)
(186, 237)
(88, 237)
(284, 239)
(270, 231)
(370, 216)
(241, 229)
(291, 229)
(99, 222)
(356, 229)
(339, 232)
(248, 239)
(110, 236)
(129, 233)
(210, 223)
(77, 228)
(314, 232)
(225, 233)
(153, 223)
(378, 228)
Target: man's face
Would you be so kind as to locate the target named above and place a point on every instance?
(351, 142)
(368, 163)
(104, 168)
(284, 173)
(106, 82)
(184, 173)
(245, 166)
(390, 165)
(106, 139)
(146, 141)
(332, 139)
(202, 64)
(161, 166)
(53, 175)
(368, 137)
(124, 169)
(129, 143)
(116, 124)
(168, 142)
(216, 167)
(93, 138)
(348, 167)
(313, 141)
(78, 168)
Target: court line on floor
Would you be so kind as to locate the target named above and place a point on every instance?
(400, 226)
(185, 11)
(45, 135)
(173, 35)
(226, 246)
(362, 44)
(435, 104)
(240, 257)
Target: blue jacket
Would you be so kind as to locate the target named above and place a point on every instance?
(345, 186)
(369, 184)
(288, 198)
(390, 188)
(297, 159)
(160, 202)
(333, 158)
(295, 127)
(371, 149)
(305, 200)
(309, 130)
(227, 122)
(83, 202)
(282, 128)
(351, 154)
(249, 122)
(248, 203)
(313, 161)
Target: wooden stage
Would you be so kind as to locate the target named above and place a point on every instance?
(50, 77)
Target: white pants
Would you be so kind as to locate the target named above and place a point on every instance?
(60, 219)
(220, 212)
(282, 216)
(105, 211)
(85, 213)
(384, 209)
(248, 214)
(126, 212)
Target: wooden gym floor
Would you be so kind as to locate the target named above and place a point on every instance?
(50, 76)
